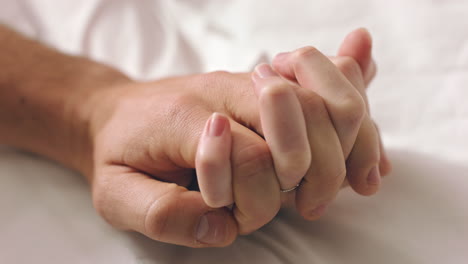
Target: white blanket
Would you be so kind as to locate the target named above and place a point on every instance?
(418, 99)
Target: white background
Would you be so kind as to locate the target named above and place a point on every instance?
(418, 99)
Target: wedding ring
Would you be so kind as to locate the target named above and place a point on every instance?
(290, 189)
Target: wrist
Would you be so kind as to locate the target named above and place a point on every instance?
(47, 99)
(88, 108)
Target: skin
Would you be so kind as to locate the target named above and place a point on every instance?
(136, 143)
(296, 123)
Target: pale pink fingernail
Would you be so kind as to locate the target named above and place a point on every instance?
(374, 176)
(265, 71)
(211, 229)
(365, 30)
(217, 125)
(318, 211)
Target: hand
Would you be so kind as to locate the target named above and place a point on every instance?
(286, 134)
(145, 138)
(136, 142)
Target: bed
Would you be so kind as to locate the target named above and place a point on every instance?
(419, 99)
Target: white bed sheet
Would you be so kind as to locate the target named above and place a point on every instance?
(418, 99)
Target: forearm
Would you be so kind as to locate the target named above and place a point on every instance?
(46, 99)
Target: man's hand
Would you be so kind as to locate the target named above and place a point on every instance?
(145, 140)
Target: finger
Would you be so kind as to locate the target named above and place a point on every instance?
(351, 69)
(358, 45)
(327, 171)
(162, 211)
(385, 165)
(234, 95)
(316, 72)
(283, 126)
(213, 163)
(362, 164)
(255, 185)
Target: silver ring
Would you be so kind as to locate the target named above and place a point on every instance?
(290, 189)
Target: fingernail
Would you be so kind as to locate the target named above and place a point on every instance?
(281, 56)
(318, 211)
(365, 30)
(374, 176)
(265, 71)
(211, 229)
(217, 125)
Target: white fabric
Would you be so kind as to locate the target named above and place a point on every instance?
(418, 99)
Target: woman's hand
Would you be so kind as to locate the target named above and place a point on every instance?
(298, 121)
(340, 128)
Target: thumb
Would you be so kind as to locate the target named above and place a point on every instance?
(162, 211)
(358, 45)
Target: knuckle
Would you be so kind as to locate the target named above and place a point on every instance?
(180, 101)
(353, 110)
(297, 164)
(305, 53)
(182, 108)
(275, 91)
(157, 213)
(300, 58)
(349, 66)
(176, 106)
